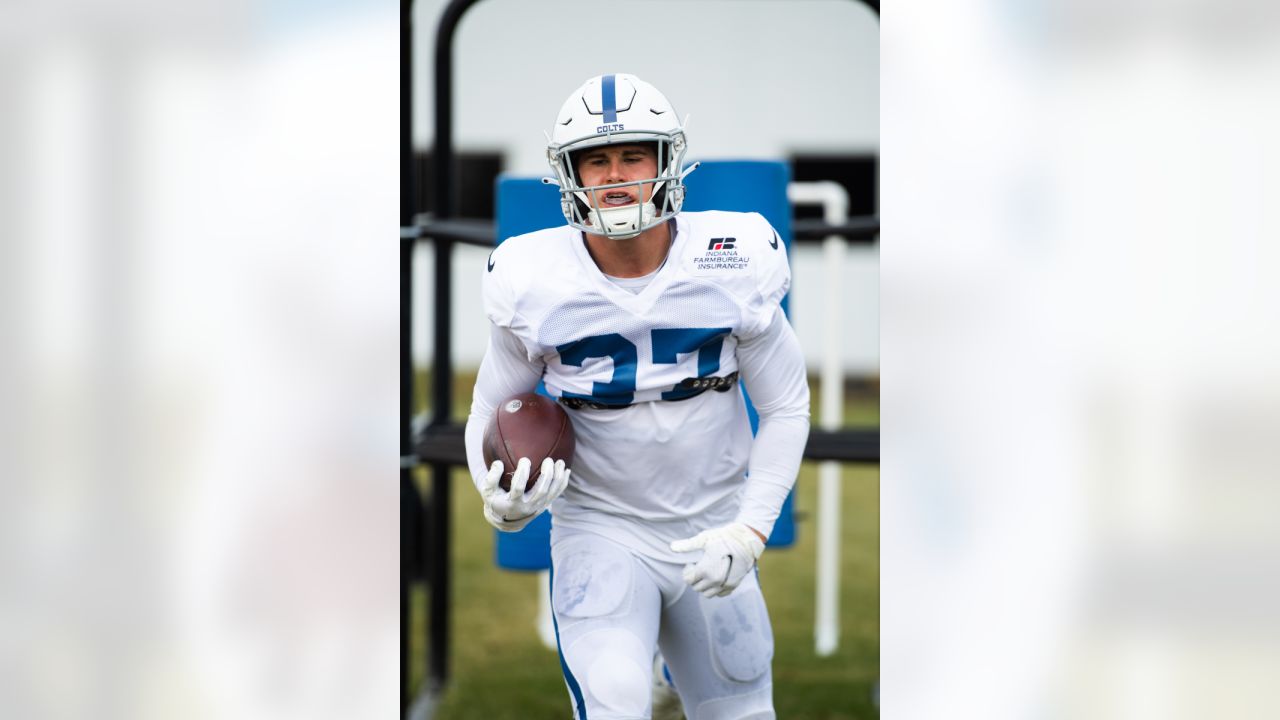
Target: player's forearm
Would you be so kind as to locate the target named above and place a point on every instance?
(772, 469)
(504, 371)
(773, 369)
(474, 439)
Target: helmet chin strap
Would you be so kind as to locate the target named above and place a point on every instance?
(621, 223)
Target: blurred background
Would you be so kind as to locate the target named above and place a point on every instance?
(198, 389)
(1079, 400)
(1079, 352)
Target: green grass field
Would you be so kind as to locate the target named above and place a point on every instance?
(496, 677)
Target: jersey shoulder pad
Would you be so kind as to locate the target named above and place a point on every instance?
(517, 263)
(773, 272)
(741, 252)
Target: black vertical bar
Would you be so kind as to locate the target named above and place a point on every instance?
(442, 374)
(409, 500)
(445, 205)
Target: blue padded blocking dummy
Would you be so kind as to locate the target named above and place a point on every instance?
(527, 204)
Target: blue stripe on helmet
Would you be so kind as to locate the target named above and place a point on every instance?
(610, 98)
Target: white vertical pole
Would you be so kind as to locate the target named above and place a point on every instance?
(835, 203)
(827, 619)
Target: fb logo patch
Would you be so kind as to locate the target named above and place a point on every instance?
(722, 254)
(513, 406)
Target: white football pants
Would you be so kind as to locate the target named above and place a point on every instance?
(613, 605)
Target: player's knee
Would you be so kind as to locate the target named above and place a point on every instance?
(613, 668)
(619, 686)
(614, 677)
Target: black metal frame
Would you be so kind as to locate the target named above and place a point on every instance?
(410, 501)
(440, 444)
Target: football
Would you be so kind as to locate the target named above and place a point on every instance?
(531, 426)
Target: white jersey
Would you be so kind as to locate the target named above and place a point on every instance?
(723, 278)
(649, 379)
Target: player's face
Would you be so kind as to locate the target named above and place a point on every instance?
(618, 164)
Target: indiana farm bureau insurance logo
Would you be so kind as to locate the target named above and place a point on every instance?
(721, 254)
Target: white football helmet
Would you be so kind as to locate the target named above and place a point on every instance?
(615, 110)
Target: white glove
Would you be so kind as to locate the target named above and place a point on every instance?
(510, 510)
(729, 553)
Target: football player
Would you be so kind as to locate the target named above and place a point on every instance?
(641, 320)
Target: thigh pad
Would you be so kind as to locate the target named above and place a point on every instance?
(741, 637)
(592, 578)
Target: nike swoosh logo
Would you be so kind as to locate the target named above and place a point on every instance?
(774, 242)
(566, 122)
(491, 263)
(728, 571)
(657, 112)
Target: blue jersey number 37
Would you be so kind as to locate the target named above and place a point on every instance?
(668, 345)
